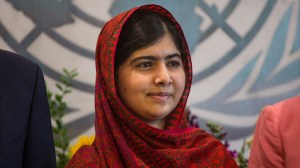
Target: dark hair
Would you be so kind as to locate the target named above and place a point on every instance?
(143, 29)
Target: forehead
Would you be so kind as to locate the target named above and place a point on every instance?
(162, 48)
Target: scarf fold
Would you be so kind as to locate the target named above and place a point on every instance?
(122, 140)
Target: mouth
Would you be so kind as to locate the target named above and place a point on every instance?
(160, 96)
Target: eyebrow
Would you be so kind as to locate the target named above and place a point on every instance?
(154, 58)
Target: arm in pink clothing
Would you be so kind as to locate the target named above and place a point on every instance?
(267, 150)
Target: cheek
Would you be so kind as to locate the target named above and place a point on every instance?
(130, 83)
(180, 82)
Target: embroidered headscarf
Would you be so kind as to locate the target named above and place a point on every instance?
(123, 140)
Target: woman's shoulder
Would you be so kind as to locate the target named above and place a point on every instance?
(86, 156)
(288, 103)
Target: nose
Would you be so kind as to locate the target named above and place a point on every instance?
(162, 76)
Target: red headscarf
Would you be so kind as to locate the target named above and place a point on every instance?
(122, 140)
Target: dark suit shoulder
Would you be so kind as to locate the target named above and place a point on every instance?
(16, 68)
(12, 60)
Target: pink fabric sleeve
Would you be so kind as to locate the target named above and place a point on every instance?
(267, 150)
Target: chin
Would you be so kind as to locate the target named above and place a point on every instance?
(161, 115)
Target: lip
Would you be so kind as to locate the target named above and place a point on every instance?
(160, 96)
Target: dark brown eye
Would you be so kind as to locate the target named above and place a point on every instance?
(174, 63)
(144, 65)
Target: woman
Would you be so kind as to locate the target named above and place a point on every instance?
(144, 75)
(276, 135)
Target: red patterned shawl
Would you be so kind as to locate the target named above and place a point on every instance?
(122, 140)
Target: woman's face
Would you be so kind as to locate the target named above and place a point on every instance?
(151, 81)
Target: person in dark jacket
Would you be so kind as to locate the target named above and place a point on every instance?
(26, 138)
